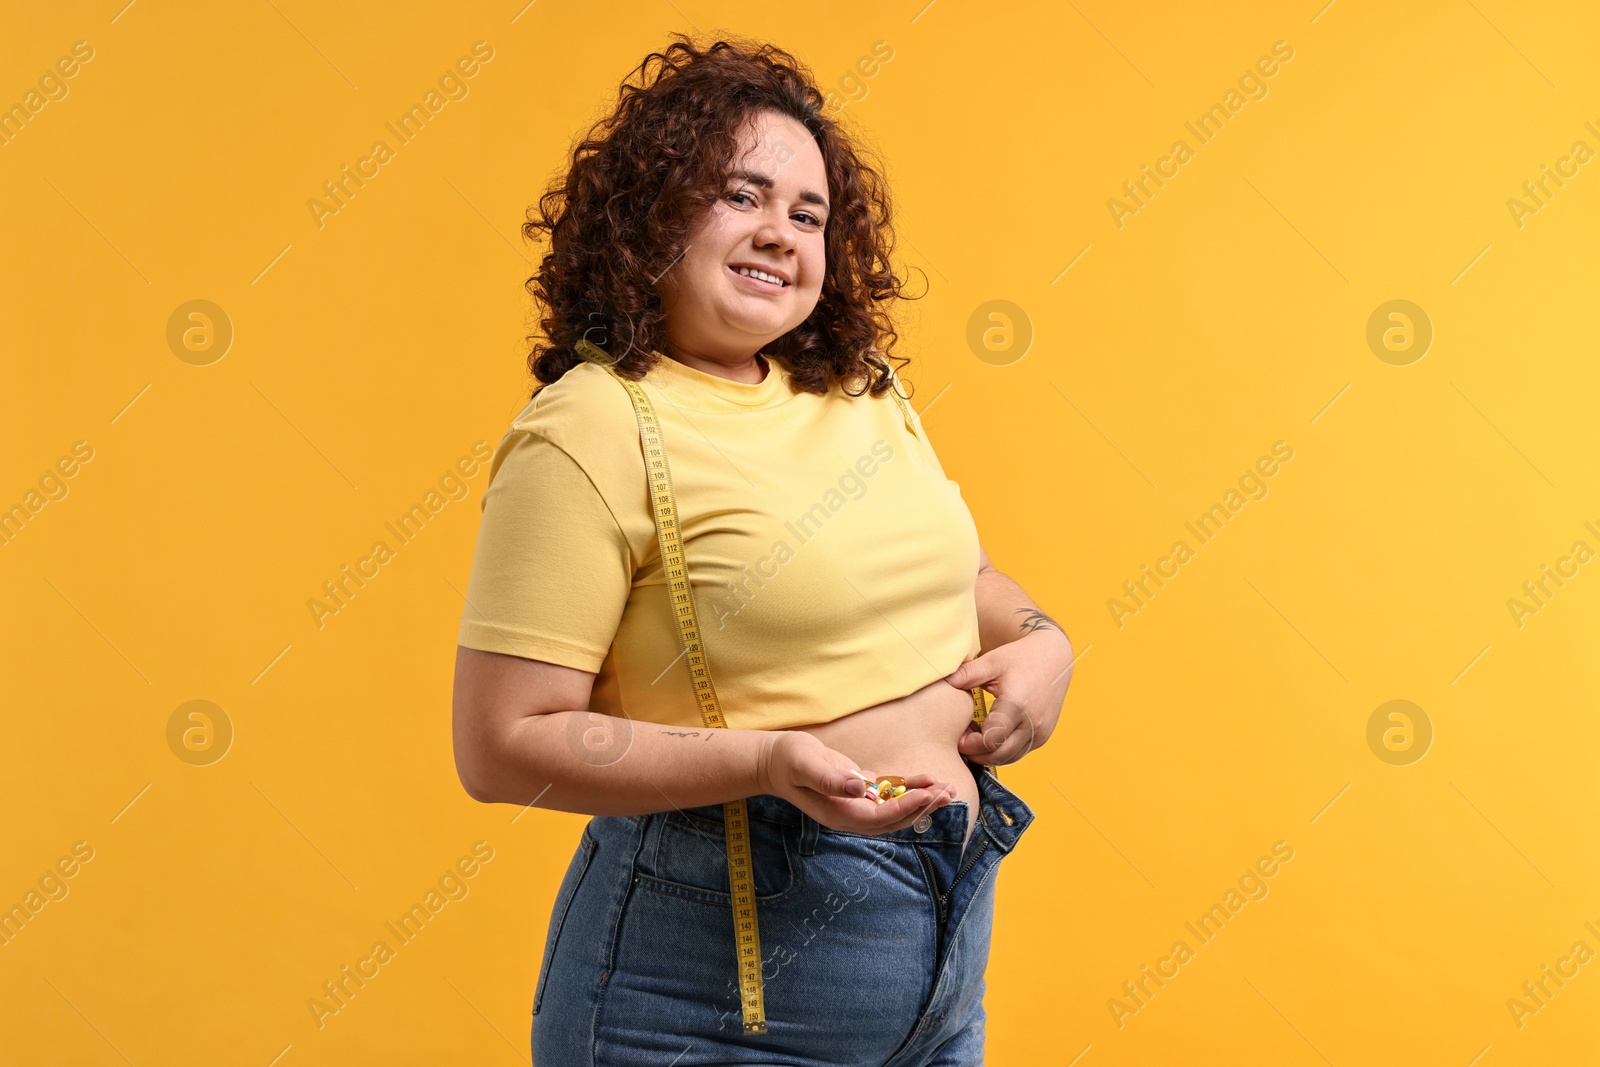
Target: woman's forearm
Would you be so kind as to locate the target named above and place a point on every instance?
(594, 764)
(1005, 612)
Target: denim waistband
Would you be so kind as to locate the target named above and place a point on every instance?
(1002, 813)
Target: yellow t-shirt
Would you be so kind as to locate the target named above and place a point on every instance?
(832, 563)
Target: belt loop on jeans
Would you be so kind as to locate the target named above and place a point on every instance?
(808, 834)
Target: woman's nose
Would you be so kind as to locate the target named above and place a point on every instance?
(775, 232)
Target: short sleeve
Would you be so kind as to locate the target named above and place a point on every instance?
(914, 427)
(552, 570)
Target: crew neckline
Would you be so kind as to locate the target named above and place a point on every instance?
(712, 392)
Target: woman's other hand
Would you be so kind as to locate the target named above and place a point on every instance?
(1029, 679)
(828, 786)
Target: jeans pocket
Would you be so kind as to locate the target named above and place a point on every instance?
(690, 859)
(576, 869)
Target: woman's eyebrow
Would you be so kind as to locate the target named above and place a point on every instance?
(763, 182)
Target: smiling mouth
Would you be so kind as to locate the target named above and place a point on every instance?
(769, 286)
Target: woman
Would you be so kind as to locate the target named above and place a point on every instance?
(720, 242)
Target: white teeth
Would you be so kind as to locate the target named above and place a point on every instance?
(763, 275)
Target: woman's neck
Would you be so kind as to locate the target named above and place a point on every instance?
(753, 371)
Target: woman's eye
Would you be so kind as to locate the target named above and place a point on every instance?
(749, 199)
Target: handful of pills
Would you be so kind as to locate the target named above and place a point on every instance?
(886, 788)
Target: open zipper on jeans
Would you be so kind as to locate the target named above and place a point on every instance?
(941, 900)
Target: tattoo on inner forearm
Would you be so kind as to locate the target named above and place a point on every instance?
(1034, 619)
(689, 733)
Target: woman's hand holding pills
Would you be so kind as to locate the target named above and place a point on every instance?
(828, 786)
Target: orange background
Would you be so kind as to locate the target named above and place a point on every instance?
(1165, 355)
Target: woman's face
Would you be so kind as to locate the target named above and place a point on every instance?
(771, 217)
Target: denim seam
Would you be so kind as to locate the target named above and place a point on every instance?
(919, 839)
(589, 845)
(714, 827)
(939, 933)
(809, 831)
(909, 1043)
(987, 875)
(616, 940)
(941, 901)
(723, 901)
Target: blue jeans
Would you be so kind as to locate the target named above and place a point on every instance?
(873, 945)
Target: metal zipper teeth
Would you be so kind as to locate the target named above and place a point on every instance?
(972, 853)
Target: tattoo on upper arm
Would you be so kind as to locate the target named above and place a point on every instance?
(1034, 619)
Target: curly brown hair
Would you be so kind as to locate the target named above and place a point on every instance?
(619, 218)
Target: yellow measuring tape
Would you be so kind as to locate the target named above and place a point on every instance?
(741, 878)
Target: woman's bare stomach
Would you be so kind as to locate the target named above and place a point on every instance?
(911, 734)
